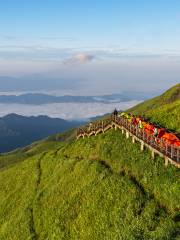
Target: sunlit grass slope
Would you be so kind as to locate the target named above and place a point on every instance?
(102, 187)
(97, 188)
(164, 109)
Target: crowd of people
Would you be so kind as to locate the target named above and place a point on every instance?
(161, 134)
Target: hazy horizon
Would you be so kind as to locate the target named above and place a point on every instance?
(89, 47)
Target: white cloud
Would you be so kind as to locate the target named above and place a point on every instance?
(65, 110)
(69, 55)
(79, 58)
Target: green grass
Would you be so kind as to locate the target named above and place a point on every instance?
(163, 109)
(170, 96)
(167, 115)
(101, 187)
(90, 189)
(17, 189)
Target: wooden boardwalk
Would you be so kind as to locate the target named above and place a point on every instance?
(170, 153)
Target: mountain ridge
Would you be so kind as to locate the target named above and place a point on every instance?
(163, 109)
(169, 96)
(102, 187)
(42, 98)
(19, 131)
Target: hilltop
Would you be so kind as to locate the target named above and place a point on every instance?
(163, 109)
(102, 187)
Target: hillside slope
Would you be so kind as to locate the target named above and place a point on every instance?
(89, 189)
(102, 187)
(163, 109)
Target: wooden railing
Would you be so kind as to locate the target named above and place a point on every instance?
(170, 152)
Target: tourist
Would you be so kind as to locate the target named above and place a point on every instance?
(115, 112)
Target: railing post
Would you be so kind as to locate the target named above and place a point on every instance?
(136, 130)
(172, 151)
(143, 134)
(166, 161)
(127, 134)
(166, 149)
(152, 154)
(102, 126)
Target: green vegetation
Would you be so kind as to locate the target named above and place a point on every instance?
(167, 115)
(101, 187)
(90, 189)
(163, 109)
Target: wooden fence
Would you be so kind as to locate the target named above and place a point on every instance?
(171, 153)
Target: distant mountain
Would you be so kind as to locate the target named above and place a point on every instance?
(39, 83)
(38, 98)
(18, 131)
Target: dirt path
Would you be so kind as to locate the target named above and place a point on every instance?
(32, 225)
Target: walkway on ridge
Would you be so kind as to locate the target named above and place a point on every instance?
(170, 153)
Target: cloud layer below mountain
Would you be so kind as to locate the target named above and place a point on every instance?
(65, 110)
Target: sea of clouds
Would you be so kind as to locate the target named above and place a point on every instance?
(66, 111)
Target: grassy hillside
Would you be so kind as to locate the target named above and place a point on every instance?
(163, 109)
(89, 189)
(101, 187)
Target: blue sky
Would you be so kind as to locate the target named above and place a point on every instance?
(130, 23)
(110, 38)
